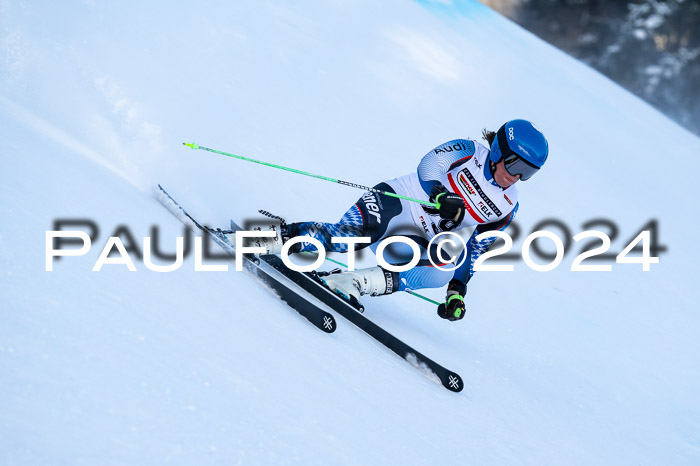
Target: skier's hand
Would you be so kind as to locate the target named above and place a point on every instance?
(453, 308)
(450, 205)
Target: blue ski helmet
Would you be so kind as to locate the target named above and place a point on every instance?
(522, 147)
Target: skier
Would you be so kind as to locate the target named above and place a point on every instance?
(471, 185)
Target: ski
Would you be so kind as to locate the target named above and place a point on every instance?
(267, 274)
(311, 283)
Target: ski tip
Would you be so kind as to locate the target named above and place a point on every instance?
(191, 145)
(453, 383)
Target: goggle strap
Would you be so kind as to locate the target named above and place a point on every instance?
(503, 143)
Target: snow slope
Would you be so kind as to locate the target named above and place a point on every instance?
(119, 367)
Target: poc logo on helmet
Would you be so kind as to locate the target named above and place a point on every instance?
(511, 136)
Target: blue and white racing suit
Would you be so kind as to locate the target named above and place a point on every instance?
(460, 165)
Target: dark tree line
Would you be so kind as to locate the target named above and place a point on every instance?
(651, 47)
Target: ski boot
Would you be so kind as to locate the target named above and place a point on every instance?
(283, 232)
(374, 281)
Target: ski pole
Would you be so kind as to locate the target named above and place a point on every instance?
(321, 177)
(411, 292)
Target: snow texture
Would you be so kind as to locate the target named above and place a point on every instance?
(185, 367)
(421, 366)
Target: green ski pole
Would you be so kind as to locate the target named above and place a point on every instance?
(411, 292)
(321, 177)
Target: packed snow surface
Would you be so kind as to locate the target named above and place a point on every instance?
(185, 367)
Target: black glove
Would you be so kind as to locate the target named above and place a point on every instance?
(453, 307)
(450, 205)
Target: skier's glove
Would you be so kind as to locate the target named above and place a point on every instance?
(453, 307)
(450, 205)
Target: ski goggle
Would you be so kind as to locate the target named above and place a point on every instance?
(515, 165)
